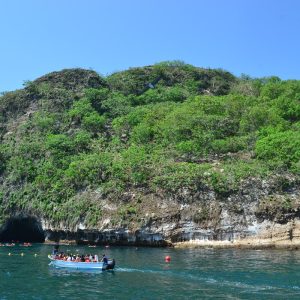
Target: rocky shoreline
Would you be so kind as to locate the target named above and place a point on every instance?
(269, 235)
(256, 217)
(241, 244)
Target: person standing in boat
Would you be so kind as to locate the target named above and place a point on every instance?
(104, 259)
(55, 249)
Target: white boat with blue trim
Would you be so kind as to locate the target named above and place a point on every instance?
(59, 263)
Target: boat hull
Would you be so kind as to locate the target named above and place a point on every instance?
(82, 265)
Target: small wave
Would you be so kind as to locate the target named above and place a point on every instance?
(210, 280)
(130, 270)
(127, 270)
(171, 273)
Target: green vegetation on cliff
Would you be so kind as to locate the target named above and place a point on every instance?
(160, 128)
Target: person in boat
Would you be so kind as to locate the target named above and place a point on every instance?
(78, 258)
(104, 259)
(55, 249)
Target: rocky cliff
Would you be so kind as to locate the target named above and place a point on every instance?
(258, 215)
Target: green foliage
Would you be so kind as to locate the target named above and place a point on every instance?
(4, 156)
(260, 116)
(174, 94)
(86, 170)
(222, 184)
(82, 139)
(80, 109)
(127, 211)
(247, 87)
(96, 97)
(13, 104)
(136, 164)
(280, 148)
(175, 176)
(170, 127)
(83, 112)
(45, 122)
(59, 143)
(93, 122)
(116, 105)
(229, 144)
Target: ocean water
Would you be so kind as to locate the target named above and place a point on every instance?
(143, 274)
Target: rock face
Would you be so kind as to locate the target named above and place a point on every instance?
(254, 216)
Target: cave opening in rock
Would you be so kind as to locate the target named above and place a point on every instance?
(22, 229)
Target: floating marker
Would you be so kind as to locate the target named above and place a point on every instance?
(167, 258)
(35, 255)
(9, 254)
(22, 254)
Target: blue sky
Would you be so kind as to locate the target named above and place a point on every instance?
(255, 37)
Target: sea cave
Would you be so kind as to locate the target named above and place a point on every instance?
(22, 229)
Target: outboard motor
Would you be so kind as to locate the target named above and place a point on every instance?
(110, 265)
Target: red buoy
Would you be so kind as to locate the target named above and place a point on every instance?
(167, 258)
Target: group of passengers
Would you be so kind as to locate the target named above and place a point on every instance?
(80, 258)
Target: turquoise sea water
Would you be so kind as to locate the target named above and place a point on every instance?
(142, 274)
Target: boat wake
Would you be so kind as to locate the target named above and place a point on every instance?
(209, 280)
